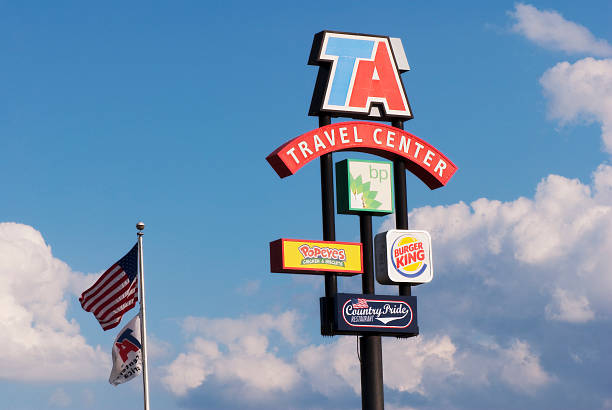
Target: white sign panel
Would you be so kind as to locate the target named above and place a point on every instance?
(403, 256)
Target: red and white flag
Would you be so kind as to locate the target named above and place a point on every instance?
(127, 353)
(115, 292)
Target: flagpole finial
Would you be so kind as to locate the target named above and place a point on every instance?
(140, 226)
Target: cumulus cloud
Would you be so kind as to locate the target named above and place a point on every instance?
(516, 366)
(555, 241)
(230, 330)
(549, 29)
(568, 307)
(521, 369)
(157, 348)
(560, 239)
(253, 363)
(189, 370)
(38, 341)
(243, 351)
(427, 357)
(235, 351)
(329, 368)
(581, 91)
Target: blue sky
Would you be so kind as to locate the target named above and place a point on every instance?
(165, 113)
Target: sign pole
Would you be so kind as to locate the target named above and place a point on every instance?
(401, 205)
(372, 394)
(327, 207)
(363, 188)
(143, 323)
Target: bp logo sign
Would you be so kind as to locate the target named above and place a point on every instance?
(364, 187)
(403, 256)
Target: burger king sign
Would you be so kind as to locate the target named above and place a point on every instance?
(403, 256)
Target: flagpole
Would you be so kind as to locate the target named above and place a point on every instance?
(143, 323)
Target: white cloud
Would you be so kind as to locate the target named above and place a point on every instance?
(250, 357)
(434, 356)
(549, 29)
(252, 361)
(189, 370)
(157, 348)
(521, 369)
(423, 365)
(559, 239)
(581, 91)
(569, 307)
(235, 350)
(38, 341)
(229, 330)
(515, 366)
(331, 367)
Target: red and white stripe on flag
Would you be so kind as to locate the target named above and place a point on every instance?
(115, 292)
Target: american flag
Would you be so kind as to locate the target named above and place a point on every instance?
(115, 292)
(360, 303)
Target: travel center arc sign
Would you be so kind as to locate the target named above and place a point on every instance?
(420, 157)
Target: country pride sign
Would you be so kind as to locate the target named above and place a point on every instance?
(378, 314)
(315, 257)
(403, 256)
(359, 75)
(420, 157)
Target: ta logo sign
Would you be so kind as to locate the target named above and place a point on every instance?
(359, 76)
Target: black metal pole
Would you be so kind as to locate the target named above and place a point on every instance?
(401, 204)
(372, 394)
(365, 231)
(327, 207)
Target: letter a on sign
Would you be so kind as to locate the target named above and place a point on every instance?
(359, 76)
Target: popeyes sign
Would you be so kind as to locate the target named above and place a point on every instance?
(316, 257)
